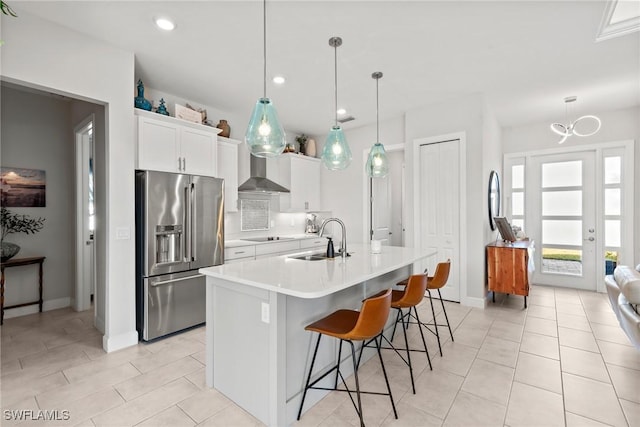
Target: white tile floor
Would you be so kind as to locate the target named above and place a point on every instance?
(563, 361)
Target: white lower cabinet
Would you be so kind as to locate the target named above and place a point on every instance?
(319, 242)
(240, 253)
(266, 250)
(276, 249)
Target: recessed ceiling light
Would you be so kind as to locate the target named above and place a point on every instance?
(341, 111)
(165, 24)
(279, 80)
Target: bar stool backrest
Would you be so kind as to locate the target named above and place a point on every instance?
(373, 316)
(441, 275)
(414, 292)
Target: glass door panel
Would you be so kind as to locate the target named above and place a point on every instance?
(563, 214)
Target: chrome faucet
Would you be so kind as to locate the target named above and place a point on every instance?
(343, 244)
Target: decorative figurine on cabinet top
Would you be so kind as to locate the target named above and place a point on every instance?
(139, 101)
(226, 129)
(162, 108)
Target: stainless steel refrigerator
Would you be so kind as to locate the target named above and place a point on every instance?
(179, 229)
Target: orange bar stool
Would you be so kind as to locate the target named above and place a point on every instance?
(350, 326)
(435, 282)
(410, 298)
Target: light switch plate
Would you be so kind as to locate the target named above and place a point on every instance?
(265, 312)
(123, 233)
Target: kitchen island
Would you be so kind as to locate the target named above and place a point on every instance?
(257, 351)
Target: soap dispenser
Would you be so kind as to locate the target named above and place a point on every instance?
(330, 250)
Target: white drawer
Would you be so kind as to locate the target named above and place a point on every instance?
(313, 243)
(273, 248)
(239, 252)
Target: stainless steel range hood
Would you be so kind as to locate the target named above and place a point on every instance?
(258, 181)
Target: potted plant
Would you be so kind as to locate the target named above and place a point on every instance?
(302, 140)
(13, 223)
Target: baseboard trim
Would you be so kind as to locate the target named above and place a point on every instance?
(99, 324)
(48, 305)
(474, 302)
(118, 342)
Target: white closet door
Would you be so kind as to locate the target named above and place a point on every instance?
(440, 209)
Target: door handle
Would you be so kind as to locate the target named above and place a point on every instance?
(88, 242)
(590, 239)
(166, 282)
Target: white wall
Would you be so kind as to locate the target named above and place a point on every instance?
(492, 160)
(618, 125)
(41, 54)
(49, 147)
(342, 191)
(463, 115)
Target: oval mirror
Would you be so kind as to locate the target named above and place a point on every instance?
(494, 198)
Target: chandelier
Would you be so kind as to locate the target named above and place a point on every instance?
(582, 126)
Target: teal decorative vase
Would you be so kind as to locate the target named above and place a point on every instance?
(162, 109)
(9, 250)
(140, 101)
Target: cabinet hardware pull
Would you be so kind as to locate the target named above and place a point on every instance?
(179, 164)
(166, 282)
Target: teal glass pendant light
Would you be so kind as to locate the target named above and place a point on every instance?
(336, 154)
(265, 136)
(377, 163)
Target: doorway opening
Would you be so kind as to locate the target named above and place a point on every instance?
(384, 201)
(85, 215)
(577, 205)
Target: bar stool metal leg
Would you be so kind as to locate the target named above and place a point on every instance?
(306, 386)
(339, 359)
(386, 379)
(424, 342)
(355, 375)
(406, 346)
(435, 324)
(447, 318)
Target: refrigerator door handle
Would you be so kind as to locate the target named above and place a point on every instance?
(192, 223)
(168, 282)
(188, 240)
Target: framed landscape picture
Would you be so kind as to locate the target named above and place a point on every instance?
(22, 188)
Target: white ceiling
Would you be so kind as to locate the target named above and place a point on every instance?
(525, 56)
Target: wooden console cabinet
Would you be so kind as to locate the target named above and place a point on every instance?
(509, 267)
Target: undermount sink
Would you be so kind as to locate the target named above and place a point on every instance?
(314, 257)
(318, 256)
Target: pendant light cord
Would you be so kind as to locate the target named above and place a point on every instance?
(264, 46)
(377, 114)
(335, 82)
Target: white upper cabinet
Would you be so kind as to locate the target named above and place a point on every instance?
(301, 175)
(228, 170)
(172, 145)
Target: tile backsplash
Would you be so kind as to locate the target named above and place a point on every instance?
(280, 223)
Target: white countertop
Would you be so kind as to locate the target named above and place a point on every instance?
(315, 279)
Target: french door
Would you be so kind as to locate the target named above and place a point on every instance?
(562, 219)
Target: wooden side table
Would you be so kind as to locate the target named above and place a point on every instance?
(17, 262)
(509, 267)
